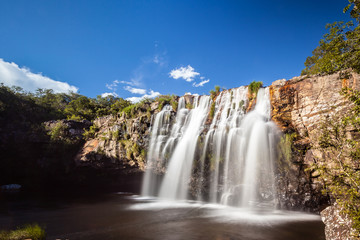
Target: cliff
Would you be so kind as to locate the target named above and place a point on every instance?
(299, 106)
(119, 141)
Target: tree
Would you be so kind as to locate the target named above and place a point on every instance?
(81, 108)
(340, 47)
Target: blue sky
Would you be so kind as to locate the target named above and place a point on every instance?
(136, 48)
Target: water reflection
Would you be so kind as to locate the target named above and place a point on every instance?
(124, 216)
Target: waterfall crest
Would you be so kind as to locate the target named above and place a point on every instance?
(228, 160)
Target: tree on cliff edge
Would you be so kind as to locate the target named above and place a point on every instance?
(340, 47)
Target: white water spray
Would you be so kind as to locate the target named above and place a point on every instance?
(229, 162)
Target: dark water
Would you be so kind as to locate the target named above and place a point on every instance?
(124, 216)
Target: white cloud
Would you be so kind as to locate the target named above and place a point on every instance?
(187, 73)
(152, 94)
(135, 90)
(113, 85)
(13, 75)
(135, 81)
(201, 84)
(193, 94)
(104, 95)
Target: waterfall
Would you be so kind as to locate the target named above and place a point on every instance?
(159, 131)
(227, 158)
(176, 180)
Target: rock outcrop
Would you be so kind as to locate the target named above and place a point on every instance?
(337, 224)
(119, 142)
(299, 106)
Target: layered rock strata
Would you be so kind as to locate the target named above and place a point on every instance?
(299, 107)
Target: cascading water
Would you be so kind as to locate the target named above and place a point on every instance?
(177, 178)
(159, 131)
(229, 162)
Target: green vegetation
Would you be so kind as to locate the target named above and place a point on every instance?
(212, 110)
(340, 168)
(340, 47)
(142, 106)
(167, 100)
(129, 110)
(217, 89)
(88, 134)
(44, 105)
(254, 88)
(31, 231)
(189, 106)
(58, 132)
(215, 93)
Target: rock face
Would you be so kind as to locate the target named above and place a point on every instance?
(119, 142)
(337, 225)
(299, 106)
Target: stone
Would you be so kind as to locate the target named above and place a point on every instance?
(337, 224)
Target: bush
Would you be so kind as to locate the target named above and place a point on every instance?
(58, 132)
(217, 89)
(254, 87)
(30, 231)
(174, 104)
(91, 132)
(129, 111)
(189, 106)
(212, 111)
(214, 93)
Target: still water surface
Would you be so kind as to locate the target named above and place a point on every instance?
(126, 216)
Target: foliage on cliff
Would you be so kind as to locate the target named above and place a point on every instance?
(213, 95)
(339, 169)
(340, 47)
(253, 88)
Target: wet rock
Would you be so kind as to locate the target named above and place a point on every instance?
(337, 224)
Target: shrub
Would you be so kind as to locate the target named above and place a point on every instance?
(189, 106)
(58, 132)
(116, 135)
(254, 87)
(30, 231)
(212, 110)
(129, 111)
(91, 132)
(217, 89)
(174, 104)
